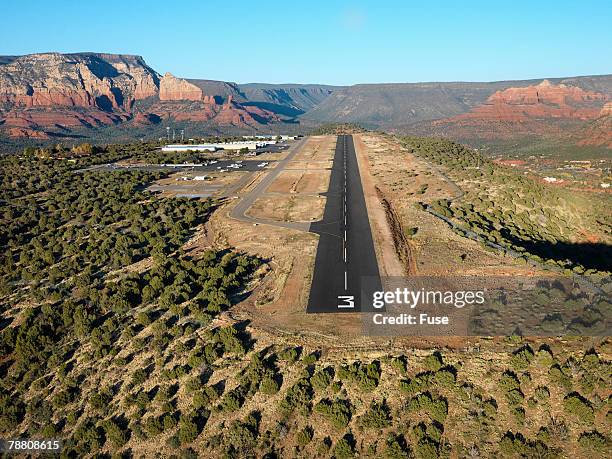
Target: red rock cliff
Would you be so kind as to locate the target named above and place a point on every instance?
(80, 80)
(50, 93)
(544, 100)
(172, 88)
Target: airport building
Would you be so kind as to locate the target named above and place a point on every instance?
(249, 145)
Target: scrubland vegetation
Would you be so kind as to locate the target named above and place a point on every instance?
(559, 227)
(113, 338)
(337, 128)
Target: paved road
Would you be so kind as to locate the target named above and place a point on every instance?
(345, 254)
(238, 212)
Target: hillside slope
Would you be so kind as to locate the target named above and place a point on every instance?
(547, 110)
(289, 99)
(402, 104)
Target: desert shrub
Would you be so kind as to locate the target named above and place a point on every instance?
(153, 426)
(192, 385)
(489, 408)
(559, 377)
(579, 407)
(519, 414)
(593, 441)
(522, 358)
(545, 357)
(304, 436)
(515, 397)
(168, 421)
(445, 377)
(322, 378)
(114, 433)
(100, 400)
(88, 437)
(230, 339)
(366, 376)
(508, 381)
(289, 355)
(396, 448)
(436, 408)
(242, 437)
(62, 398)
(434, 361)
(139, 377)
(541, 393)
(558, 429)
(203, 356)
(187, 430)
(426, 449)
(400, 363)
(310, 359)
(142, 318)
(298, 395)
(344, 448)
(232, 400)
(377, 416)
(511, 444)
(417, 384)
(269, 385)
(338, 412)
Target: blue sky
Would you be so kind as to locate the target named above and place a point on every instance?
(334, 42)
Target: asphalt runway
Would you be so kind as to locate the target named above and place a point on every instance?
(346, 271)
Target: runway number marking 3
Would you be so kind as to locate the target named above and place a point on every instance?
(348, 300)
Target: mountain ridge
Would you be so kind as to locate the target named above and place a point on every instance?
(48, 95)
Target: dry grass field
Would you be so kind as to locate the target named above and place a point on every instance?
(288, 208)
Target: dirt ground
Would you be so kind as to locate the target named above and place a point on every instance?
(313, 182)
(182, 183)
(285, 182)
(268, 156)
(309, 165)
(389, 262)
(318, 148)
(289, 208)
(294, 181)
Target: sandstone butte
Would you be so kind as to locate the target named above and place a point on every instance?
(599, 131)
(172, 88)
(544, 100)
(41, 93)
